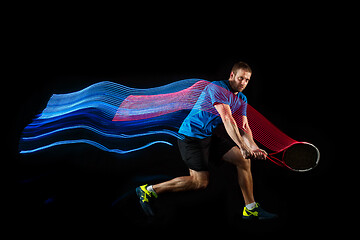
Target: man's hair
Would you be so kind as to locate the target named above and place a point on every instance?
(241, 65)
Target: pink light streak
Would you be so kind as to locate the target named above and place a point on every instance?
(137, 107)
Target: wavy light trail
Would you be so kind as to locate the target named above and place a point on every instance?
(119, 119)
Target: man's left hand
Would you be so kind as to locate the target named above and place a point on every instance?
(260, 154)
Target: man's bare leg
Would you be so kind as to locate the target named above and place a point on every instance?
(196, 180)
(243, 166)
(245, 180)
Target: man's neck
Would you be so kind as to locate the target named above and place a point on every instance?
(232, 90)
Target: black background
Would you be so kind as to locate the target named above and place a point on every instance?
(82, 188)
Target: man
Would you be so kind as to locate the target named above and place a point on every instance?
(203, 143)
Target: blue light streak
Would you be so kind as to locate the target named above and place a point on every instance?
(85, 116)
(93, 143)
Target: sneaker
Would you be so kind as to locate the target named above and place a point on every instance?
(146, 197)
(257, 213)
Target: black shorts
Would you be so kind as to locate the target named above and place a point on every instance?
(198, 153)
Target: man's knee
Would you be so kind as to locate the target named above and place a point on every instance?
(200, 179)
(235, 156)
(201, 183)
(244, 163)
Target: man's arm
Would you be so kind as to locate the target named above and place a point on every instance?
(249, 140)
(232, 128)
(245, 141)
(247, 134)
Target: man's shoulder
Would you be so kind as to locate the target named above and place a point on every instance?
(226, 85)
(242, 96)
(219, 85)
(222, 83)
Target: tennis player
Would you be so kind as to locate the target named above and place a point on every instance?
(215, 137)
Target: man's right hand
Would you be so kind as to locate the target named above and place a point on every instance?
(247, 152)
(260, 154)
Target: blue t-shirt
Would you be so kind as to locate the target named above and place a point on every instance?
(203, 117)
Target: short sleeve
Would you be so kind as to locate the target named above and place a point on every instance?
(218, 94)
(243, 104)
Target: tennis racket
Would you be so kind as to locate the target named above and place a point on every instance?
(299, 157)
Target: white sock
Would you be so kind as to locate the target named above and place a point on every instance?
(150, 189)
(251, 206)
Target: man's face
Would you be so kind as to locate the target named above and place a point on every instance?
(240, 80)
